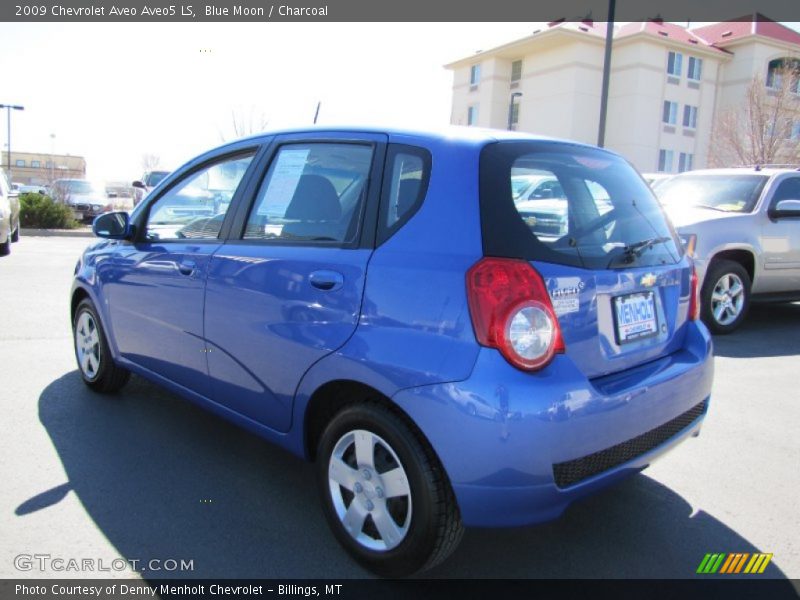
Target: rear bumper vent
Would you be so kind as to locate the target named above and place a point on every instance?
(574, 471)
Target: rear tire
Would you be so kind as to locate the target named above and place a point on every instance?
(384, 493)
(95, 364)
(5, 247)
(15, 235)
(725, 297)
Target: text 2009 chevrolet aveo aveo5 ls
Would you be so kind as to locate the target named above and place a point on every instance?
(376, 301)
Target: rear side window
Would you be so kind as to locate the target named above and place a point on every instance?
(404, 187)
(312, 193)
(570, 205)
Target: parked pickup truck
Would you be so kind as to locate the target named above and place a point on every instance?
(743, 225)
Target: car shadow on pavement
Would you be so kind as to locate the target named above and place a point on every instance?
(768, 330)
(163, 479)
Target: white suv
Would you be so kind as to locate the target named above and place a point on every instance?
(743, 225)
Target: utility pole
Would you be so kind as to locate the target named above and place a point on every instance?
(601, 130)
(9, 108)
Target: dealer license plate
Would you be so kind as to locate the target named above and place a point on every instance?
(635, 316)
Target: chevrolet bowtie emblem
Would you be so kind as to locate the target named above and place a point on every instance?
(648, 280)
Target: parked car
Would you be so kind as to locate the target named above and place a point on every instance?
(33, 189)
(87, 199)
(142, 187)
(744, 227)
(9, 215)
(364, 299)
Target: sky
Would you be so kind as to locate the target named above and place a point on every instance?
(113, 92)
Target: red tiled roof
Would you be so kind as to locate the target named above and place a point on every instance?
(726, 31)
(667, 31)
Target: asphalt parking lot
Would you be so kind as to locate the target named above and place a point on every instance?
(146, 475)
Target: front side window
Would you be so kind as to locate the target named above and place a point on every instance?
(695, 68)
(674, 64)
(312, 193)
(195, 208)
(725, 193)
(789, 189)
(584, 208)
(474, 74)
(670, 113)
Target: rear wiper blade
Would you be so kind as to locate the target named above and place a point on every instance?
(636, 249)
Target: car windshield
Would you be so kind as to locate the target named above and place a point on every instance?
(583, 207)
(155, 177)
(85, 187)
(727, 192)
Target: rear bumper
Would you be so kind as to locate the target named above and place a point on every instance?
(500, 432)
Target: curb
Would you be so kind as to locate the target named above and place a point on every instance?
(56, 232)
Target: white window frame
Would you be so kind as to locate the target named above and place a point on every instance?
(472, 115)
(677, 63)
(695, 69)
(671, 115)
(690, 112)
(475, 74)
(685, 161)
(665, 165)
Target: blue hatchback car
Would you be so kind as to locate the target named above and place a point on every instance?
(379, 302)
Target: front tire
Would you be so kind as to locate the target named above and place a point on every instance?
(15, 235)
(384, 493)
(725, 296)
(95, 364)
(5, 247)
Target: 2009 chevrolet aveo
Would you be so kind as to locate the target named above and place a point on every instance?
(376, 301)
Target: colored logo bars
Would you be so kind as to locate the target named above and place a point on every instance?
(734, 563)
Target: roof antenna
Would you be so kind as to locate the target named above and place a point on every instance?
(316, 114)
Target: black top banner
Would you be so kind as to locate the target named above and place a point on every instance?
(393, 10)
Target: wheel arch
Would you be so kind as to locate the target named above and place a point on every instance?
(743, 256)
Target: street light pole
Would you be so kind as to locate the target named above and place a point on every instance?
(601, 129)
(511, 109)
(9, 108)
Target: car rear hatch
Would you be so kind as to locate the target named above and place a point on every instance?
(616, 275)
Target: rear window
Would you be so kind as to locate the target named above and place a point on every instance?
(570, 205)
(725, 193)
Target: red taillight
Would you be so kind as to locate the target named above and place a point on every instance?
(511, 311)
(694, 301)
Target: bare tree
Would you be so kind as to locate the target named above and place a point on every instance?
(150, 162)
(244, 123)
(764, 128)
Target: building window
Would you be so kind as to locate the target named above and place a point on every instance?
(20, 162)
(472, 115)
(474, 74)
(514, 113)
(36, 164)
(670, 114)
(695, 68)
(48, 165)
(685, 161)
(780, 68)
(674, 64)
(516, 70)
(665, 161)
(690, 116)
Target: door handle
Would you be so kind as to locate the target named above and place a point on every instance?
(327, 281)
(187, 267)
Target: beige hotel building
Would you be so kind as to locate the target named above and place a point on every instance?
(667, 84)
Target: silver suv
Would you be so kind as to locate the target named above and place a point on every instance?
(743, 226)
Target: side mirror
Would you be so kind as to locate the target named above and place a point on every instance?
(112, 225)
(138, 184)
(785, 208)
